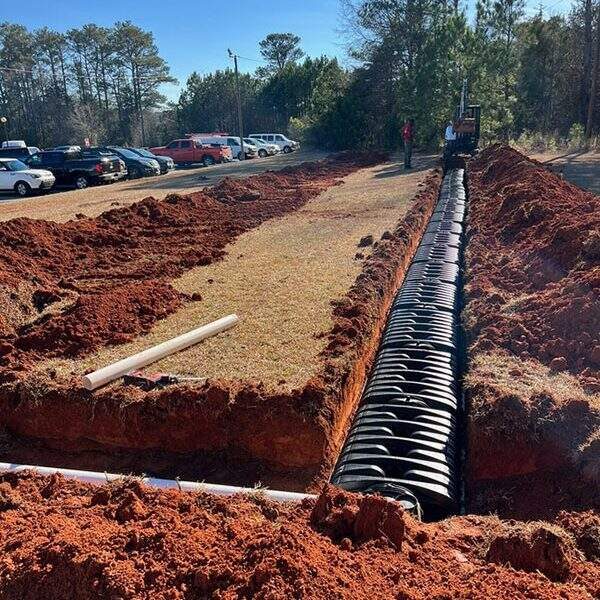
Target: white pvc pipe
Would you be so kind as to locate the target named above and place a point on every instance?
(102, 376)
(186, 486)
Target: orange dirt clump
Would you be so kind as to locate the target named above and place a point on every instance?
(112, 315)
(62, 539)
(534, 547)
(533, 325)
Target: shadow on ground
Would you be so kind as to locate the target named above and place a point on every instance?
(396, 168)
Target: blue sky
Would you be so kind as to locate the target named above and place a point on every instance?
(195, 34)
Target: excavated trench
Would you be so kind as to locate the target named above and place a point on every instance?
(225, 432)
(405, 440)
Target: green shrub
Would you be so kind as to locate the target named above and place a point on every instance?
(299, 129)
(576, 139)
(535, 141)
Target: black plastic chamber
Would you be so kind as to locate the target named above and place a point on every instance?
(403, 442)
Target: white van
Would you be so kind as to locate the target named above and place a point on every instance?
(232, 141)
(285, 144)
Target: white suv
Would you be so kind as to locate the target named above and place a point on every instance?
(18, 177)
(264, 149)
(285, 144)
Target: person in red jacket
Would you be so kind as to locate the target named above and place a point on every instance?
(408, 136)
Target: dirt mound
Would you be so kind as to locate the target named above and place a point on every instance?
(110, 316)
(69, 540)
(90, 262)
(533, 322)
(585, 528)
(534, 547)
(357, 519)
(535, 282)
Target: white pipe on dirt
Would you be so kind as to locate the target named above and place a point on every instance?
(105, 375)
(186, 486)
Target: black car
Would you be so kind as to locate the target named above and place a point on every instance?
(21, 152)
(137, 165)
(79, 168)
(165, 163)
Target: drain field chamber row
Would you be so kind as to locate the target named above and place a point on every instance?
(403, 441)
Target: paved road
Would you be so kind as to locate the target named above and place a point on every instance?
(65, 204)
(581, 168)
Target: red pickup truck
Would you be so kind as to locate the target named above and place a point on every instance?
(187, 151)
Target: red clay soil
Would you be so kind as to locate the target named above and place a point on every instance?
(533, 291)
(300, 430)
(85, 262)
(62, 539)
(534, 238)
(109, 316)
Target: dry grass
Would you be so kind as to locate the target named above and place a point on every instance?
(280, 279)
(524, 418)
(526, 378)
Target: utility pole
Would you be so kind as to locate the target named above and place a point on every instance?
(239, 104)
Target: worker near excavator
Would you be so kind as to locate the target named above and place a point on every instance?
(450, 137)
(408, 136)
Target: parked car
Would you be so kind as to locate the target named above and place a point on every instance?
(100, 153)
(284, 143)
(67, 148)
(250, 150)
(19, 152)
(264, 148)
(80, 168)
(16, 176)
(14, 144)
(137, 166)
(188, 151)
(165, 163)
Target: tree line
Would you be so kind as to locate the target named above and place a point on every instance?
(530, 74)
(94, 82)
(534, 74)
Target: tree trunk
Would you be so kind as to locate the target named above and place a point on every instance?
(64, 75)
(594, 82)
(586, 75)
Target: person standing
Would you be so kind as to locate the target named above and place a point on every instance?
(408, 136)
(450, 138)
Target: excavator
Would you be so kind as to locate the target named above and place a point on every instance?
(466, 121)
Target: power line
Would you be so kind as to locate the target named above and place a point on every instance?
(251, 59)
(542, 8)
(548, 8)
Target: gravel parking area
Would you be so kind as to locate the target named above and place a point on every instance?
(67, 204)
